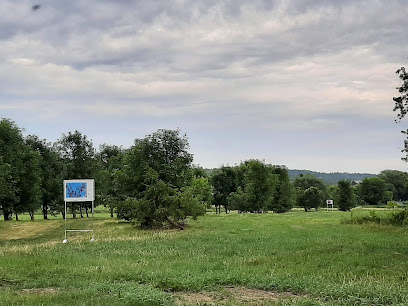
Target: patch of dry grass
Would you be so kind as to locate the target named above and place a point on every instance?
(235, 296)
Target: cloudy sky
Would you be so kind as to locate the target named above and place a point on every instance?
(306, 83)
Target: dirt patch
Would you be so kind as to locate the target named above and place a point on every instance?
(236, 296)
(40, 291)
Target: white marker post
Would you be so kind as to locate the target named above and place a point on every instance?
(329, 204)
(79, 191)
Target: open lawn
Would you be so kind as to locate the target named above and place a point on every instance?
(249, 259)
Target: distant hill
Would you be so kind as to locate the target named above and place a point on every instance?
(331, 178)
(328, 178)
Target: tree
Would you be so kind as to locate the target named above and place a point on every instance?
(333, 193)
(397, 183)
(19, 165)
(51, 173)
(157, 180)
(312, 197)
(29, 183)
(282, 200)
(78, 156)
(372, 190)
(345, 201)
(260, 187)
(224, 182)
(110, 160)
(239, 200)
(260, 183)
(401, 104)
(317, 195)
(11, 142)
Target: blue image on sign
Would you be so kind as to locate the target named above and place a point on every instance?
(76, 190)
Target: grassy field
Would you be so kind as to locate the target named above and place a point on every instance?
(251, 259)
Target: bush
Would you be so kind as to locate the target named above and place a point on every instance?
(397, 217)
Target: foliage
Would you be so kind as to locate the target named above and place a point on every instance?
(311, 192)
(282, 200)
(30, 182)
(397, 183)
(78, 156)
(110, 160)
(239, 201)
(397, 217)
(157, 179)
(224, 181)
(202, 189)
(259, 185)
(20, 172)
(162, 203)
(331, 178)
(345, 196)
(401, 104)
(333, 194)
(260, 188)
(372, 190)
(51, 174)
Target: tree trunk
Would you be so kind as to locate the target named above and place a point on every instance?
(63, 214)
(73, 211)
(111, 211)
(80, 210)
(31, 213)
(6, 216)
(45, 212)
(16, 216)
(86, 211)
(175, 224)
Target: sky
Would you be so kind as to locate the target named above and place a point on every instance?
(306, 83)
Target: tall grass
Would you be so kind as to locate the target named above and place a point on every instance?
(311, 254)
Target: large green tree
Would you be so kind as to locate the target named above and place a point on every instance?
(307, 197)
(224, 181)
(397, 183)
(78, 155)
(373, 190)
(51, 173)
(282, 200)
(345, 196)
(157, 179)
(19, 165)
(110, 161)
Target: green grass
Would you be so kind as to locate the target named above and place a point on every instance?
(311, 257)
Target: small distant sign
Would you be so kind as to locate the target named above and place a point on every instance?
(79, 190)
(329, 202)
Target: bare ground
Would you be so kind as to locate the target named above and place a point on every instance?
(235, 296)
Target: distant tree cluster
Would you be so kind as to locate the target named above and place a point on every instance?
(253, 187)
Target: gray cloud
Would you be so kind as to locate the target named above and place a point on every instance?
(249, 68)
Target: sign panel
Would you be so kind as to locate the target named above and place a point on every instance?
(329, 202)
(79, 190)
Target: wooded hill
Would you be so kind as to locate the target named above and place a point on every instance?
(329, 178)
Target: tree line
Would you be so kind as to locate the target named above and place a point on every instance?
(155, 183)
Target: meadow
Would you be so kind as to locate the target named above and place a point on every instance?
(295, 258)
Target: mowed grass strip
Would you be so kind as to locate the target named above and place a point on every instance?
(309, 255)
